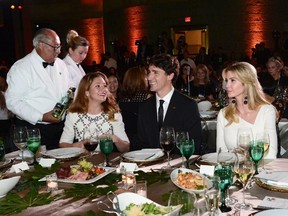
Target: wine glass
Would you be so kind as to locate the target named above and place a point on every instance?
(106, 146)
(90, 140)
(180, 197)
(212, 196)
(224, 171)
(244, 137)
(264, 136)
(33, 141)
(188, 149)
(256, 151)
(20, 139)
(228, 157)
(244, 172)
(181, 136)
(167, 142)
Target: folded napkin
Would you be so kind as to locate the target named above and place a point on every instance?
(47, 162)
(273, 203)
(274, 178)
(204, 105)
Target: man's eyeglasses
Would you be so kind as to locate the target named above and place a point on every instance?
(54, 47)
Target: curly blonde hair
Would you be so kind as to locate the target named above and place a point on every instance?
(247, 75)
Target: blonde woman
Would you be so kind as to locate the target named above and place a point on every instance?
(248, 108)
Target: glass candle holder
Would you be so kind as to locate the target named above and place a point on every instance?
(141, 188)
(129, 180)
(52, 183)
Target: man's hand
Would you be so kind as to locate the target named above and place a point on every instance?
(47, 117)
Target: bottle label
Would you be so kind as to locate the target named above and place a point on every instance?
(58, 110)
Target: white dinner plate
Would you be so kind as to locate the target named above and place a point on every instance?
(127, 198)
(211, 158)
(276, 180)
(270, 212)
(108, 170)
(174, 175)
(64, 153)
(144, 155)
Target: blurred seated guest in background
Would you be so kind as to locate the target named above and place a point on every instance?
(179, 111)
(189, 61)
(201, 86)
(94, 107)
(183, 80)
(77, 49)
(35, 84)
(248, 108)
(109, 61)
(202, 57)
(134, 91)
(114, 86)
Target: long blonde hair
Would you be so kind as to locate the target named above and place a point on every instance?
(247, 75)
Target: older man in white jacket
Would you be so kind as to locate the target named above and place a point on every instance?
(35, 84)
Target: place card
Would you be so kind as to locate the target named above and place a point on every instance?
(20, 167)
(207, 170)
(47, 162)
(129, 167)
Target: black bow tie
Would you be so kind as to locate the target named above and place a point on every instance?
(45, 64)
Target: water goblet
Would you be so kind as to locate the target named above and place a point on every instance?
(244, 172)
(106, 146)
(256, 151)
(167, 142)
(264, 136)
(20, 139)
(180, 197)
(228, 157)
(181, 136)
(33, 141)
(224, 172)
(188, 149)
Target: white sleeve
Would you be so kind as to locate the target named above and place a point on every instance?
(270, 126)
(118, 127)
(220, 140)
(68, 130)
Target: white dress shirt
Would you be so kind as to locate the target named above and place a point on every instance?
(34, 90)
(76, 72)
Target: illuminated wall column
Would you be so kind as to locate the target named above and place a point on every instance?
(94, 33)
(255, 23)
(135, 23)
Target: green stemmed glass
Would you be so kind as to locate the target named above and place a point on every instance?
(181, 136)
(33, 141)
(106, 146)
(224, 172)
(187, 149)
(256, 151)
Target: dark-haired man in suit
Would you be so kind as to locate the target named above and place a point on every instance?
(179, 111)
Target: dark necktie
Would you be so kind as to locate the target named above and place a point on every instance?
(160, 114)
(45, 64)
(78, 65)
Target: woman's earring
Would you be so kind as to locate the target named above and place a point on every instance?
(233, 100)
(245, 100)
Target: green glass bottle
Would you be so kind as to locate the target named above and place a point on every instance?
(61, 107)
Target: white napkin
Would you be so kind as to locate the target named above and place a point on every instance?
(274, 178)
(47, 162)
(19, 167)
(146, 154)
(274, 202)
(204, 105)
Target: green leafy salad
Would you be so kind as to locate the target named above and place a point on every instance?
(146, 209)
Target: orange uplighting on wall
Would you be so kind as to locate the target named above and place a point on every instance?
(94, 33)
(135, 19)
(255, 24)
